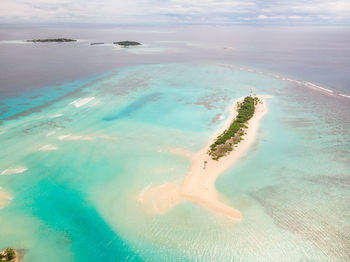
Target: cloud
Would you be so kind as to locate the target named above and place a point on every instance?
(176, 11)
(262, 17)
(336, 7)
(295, 17)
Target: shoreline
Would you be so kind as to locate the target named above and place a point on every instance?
(18, 255)
(199, 183)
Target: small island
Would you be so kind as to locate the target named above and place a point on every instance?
(52, 40)
(223, 149)
(127, 43)
(97, 43)
(8, 255)
(224, 143)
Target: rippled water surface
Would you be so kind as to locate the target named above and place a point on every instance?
(95, 125)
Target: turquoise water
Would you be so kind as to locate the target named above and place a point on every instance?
(80, 202)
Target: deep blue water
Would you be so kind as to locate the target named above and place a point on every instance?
(78, 222)
(319, 54)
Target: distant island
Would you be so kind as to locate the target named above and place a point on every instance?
(50, 40)
(97, 43)
(126, 43)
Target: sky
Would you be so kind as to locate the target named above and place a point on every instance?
(274, 12)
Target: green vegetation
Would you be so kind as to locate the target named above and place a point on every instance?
(56, 40)
(126, 43)
(7, 255)
(224, 143)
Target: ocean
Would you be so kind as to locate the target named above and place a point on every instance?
(85, 129)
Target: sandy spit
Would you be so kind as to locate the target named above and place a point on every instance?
(199, 183)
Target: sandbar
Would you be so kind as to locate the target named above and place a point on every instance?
(199, 183)
(5, 198)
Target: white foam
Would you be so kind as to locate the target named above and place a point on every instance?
(106, 137)
(306, 84)
(51, 133)
(47, 148)
(319, 87)
(82, 101)
(76, 137)
(2, 132)
(55, 116)
(15, 42)
(73, 137)
(13, 170)
(347, 96)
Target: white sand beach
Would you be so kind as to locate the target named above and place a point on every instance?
(199, 183)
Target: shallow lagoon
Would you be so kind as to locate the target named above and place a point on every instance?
(80, 202)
